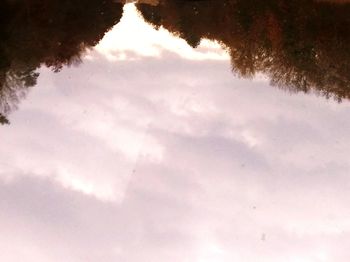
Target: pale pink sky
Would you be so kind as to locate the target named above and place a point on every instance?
(156, 152)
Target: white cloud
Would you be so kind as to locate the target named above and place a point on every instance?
(170, 158)
(133, 36)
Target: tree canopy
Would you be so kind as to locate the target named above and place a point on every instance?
(52, 33)
(302, 45)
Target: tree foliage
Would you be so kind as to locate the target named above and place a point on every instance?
(302, 45)
(52, 33)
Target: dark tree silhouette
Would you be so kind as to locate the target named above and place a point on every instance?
(302, 45)
(52, 33)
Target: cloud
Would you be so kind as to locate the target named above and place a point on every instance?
(170, 158)
(119, 44)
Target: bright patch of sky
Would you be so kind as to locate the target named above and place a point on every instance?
(132, 37)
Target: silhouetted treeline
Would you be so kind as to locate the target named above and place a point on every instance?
(302, 45)
(50, 32)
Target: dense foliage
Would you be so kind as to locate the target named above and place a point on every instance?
(302, 45)
(51, 32)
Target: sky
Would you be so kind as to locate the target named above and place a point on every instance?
(153, 151)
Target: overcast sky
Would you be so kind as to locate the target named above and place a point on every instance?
(152, 151)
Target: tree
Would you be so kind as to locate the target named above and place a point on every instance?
(302, 45)
(54, 33)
